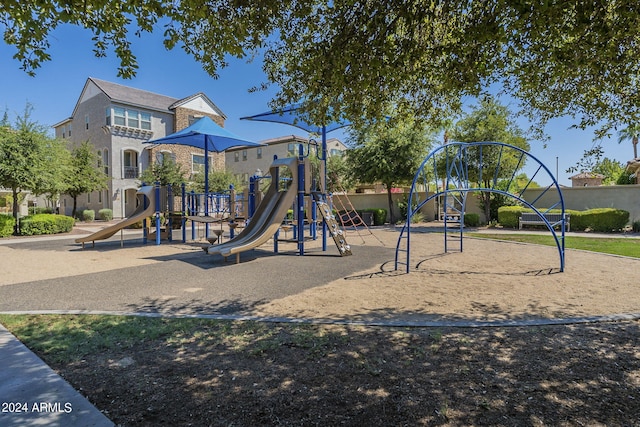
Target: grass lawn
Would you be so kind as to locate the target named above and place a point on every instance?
(614, 245)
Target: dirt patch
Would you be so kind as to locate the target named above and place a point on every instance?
(334, 375)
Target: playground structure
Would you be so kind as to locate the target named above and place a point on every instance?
(451, 168)
(281, 195)
(262, 216)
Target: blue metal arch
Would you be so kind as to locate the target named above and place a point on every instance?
(460, 165)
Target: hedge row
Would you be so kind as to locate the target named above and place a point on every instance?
(600, 219)
(45, 224)
(7, 222)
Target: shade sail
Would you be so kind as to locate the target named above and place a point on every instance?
(292, 115)
(207, 135)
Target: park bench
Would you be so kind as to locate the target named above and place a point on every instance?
(532, 218)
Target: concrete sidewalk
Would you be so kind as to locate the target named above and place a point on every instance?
(32, 394)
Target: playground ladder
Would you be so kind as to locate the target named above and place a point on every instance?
(334, 230)
(453, 216)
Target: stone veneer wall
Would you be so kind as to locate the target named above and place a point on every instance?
(183, 153)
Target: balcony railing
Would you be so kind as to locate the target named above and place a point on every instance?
(130, 172)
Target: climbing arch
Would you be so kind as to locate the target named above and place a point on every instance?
(452, 171)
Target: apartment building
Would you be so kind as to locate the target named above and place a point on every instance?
(246, 162)
(117, 120)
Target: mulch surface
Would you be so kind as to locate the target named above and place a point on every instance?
(300, 375)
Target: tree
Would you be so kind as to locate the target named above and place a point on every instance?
(389, 152)
(490, 121)
(24, 157)
(166, 172)
(219, 181)
(84, 174)
(631, 132)
(592, 162)
(52, 179)
(611, 169)
(556, 58)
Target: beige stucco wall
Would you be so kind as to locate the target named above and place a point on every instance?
(626, 197)
(379, 200)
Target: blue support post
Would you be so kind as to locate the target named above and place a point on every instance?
(252, 195)
(193, 212)
(324, 186)
(301, 200)
(145, 205)
(314, 219)
(183, 216)
(170, 212)
(157, 213)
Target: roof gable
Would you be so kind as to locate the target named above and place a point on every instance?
(199, 102)
(132, 96)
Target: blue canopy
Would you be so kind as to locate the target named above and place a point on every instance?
(291, 116)
(207, 135)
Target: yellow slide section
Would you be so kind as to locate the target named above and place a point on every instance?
(148, 193)
(268, 216)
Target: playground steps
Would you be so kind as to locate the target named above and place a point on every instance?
(334, 230)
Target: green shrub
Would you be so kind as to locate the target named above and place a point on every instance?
(379, 215)
(7, 223)
(105, 214)
(471, 219)
(603, 219)
(45, 224)
(508, 216)
(88, 215)
(636, 226)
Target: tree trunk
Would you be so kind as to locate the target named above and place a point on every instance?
(486, 195)
(635, 147)
(390, 200)
(16, 210)
(75, 203)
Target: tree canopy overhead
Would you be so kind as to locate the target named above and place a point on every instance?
(355, 58)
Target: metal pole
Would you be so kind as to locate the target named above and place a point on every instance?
(301, 172)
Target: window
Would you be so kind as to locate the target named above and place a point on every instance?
(88, 197)
(244, 155)
(164, 156)
(197, 163)
(130, 164)
(193, 119)
(125, 117)
(259, 152)
(69, 129)
(99, 159)
(145, 121)
(236, 156)
(132, 119)
(105, 161)
(86, 122)
(108, 117)
(100, 196)
(119, 116)
(291, 148)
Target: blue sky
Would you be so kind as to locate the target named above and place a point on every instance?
(58, 83)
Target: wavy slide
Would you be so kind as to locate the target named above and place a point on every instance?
(140, 213)
(268, 217)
